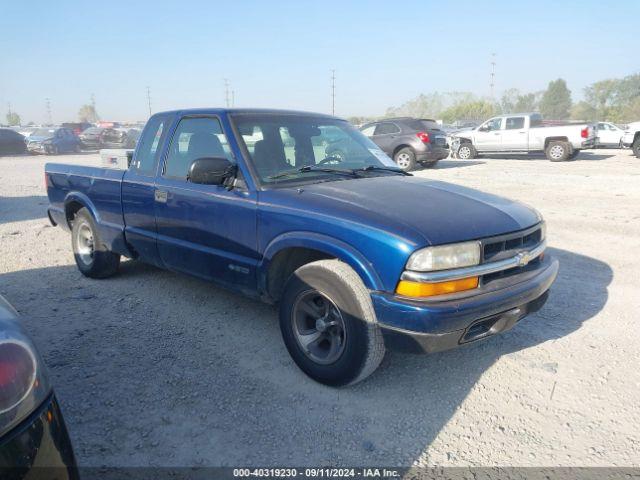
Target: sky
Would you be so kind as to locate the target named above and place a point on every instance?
(280, 54)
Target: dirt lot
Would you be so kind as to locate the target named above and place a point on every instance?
(155, 368)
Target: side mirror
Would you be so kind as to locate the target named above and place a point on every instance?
(210, 170)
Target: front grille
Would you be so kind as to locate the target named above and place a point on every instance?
(506, 246)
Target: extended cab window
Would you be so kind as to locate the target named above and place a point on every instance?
(197, 137)
(145, 159)
(515, 123)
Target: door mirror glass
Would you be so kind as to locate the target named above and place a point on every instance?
(210, 170)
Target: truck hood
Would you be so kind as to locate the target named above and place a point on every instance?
(439, 212)
(463, 133)
(38, 138)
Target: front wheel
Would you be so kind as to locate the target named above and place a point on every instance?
(328, 324)
(406, 159)
(467, 151)
(92, 257)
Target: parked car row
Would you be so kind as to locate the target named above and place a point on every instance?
(56, 140)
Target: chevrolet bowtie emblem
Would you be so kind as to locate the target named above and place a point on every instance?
(523, 258)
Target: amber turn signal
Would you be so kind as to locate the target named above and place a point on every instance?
(418, 289)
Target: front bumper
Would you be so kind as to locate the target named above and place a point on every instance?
(36, 148)
(40, 445)
(431, 326)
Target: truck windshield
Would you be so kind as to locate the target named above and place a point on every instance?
(294, 148)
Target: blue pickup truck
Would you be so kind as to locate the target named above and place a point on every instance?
(359, 255)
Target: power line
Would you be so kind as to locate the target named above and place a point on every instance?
(492, 75)
(47, 106)
(149, 99)
(333, 92)
(226, 92)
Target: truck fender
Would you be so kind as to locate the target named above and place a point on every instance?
(323, 243)
(82, 199)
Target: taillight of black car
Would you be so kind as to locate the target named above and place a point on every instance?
(24, 385)
(424, 137)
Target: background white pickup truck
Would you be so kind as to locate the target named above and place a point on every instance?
(524, 133)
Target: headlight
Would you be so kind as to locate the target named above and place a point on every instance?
(23, 381)
(445, 257)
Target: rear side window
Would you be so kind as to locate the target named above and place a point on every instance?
(368, 130)
(386, 128)
(145, 160)
(535, 120)
(515, 123)
(197, 137)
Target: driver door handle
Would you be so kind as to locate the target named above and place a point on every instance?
(161, 196)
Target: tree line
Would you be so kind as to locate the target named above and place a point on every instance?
(615, 100)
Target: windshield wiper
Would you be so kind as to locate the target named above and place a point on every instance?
(312, 168)
(370, 168)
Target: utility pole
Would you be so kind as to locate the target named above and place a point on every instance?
(492, 75)
(47, 106)
(333, 92)
(233, 98)
(149, 99)
(93, 102)
(226, 92)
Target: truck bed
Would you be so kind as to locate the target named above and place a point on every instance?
(98, 188)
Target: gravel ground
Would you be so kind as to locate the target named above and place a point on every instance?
(155, 368)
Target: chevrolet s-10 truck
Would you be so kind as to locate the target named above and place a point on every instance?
(359, 255)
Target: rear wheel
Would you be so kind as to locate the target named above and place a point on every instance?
(328, 323)
(558, 151)
(466, 151)
(92, 257)
(636, 147)
(406, 159)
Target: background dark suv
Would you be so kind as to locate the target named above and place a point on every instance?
(409, 141)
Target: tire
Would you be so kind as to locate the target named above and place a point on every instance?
(558, 151)
(405, 158)
(326, 306)
(466, 151)
(573, 155)
(636, 147)
(92, 257)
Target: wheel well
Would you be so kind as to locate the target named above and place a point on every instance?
(71, 209)
(548, 140)
(400, 147)
(287, 261)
